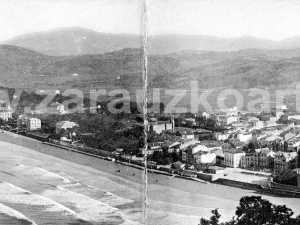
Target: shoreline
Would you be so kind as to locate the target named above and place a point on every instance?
(198, 199)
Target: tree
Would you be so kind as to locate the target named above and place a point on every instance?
(255, 210)
(286, 176)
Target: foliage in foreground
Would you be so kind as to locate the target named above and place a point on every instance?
(255, 210)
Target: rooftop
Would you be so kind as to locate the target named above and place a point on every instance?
(234, 151)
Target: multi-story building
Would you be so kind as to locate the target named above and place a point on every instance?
(285, 160)
(234, 157)
(160, 126)
(265, 158)
(57, 108)
(204, 157)
(251, 160)
(244, 137)
(33, 124)
(5, 111)
(29, 123)
(221, 136)
(260, 159)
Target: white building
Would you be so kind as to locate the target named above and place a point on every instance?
(204, 157)
(5, 111)
(257, 124)
(205, 114)
(28, 122)
(33, 124)
(231, 111)
(234, 158)
(244, 137)
(221, 136)
(57, 107)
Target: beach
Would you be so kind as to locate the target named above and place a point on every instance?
(42, 184)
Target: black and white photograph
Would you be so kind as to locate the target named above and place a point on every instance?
(155, 112)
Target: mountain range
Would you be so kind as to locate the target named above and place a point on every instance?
(74, 41)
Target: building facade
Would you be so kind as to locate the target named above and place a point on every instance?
(234, 158)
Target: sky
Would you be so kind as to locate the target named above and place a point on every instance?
(267, 19)
(19, 17)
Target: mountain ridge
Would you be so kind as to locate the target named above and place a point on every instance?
(75, 41)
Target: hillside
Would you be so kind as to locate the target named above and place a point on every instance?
(75, 41)
(16, 61)
(241, 69)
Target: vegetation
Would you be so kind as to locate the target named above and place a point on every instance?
(255, 210)
(286, 177)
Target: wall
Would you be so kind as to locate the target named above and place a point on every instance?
(259, 188)
(239, 184)
(284, 186)
(207, 177)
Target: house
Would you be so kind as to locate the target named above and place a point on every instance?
(5, 111)
(228, 119)
(244, 137)
(184, 132)
(178, 165)
(289, 136)
(205, 114)
(214, 170)
(57, 108)
(33, 124)
(231, 111)
(234, 157)
(273, 138)
(294, 142)
(22, 120)
(237, 124)
(260, 159)
(251, 159)
(257, 124)
(212, 145)
(252, 119)
(186, 143)
(270, 123)
(172, 146)
(160, 126)
(266, 158)
(221, 136)
(29, 122)
(285, 160)
(191, 120)
(204, 157)
(187, 154)
(64, 125)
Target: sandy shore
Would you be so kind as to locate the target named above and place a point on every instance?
(170, 200)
